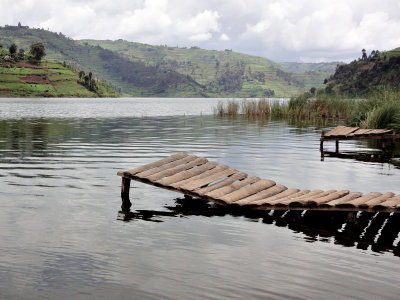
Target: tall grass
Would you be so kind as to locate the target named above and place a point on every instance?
(250, 108)
(378, 110)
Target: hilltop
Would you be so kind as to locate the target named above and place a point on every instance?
(366, 74)
(136, 69)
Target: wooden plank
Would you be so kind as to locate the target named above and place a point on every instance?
(283, 194)
(360, 131)
(360, 200)
(374, 131)
(225, 182)
(286, 200)
(217, 169)
(330, 197)
(167, 166)
(391, 202)
(377, 200)
(309, 195)
(308, 198)
(169, 172)
(348, 130)
(341, 131)
(334, 131)
(209, 179)
(233, 187)
(272, 191)
(157, 163)
(340, 200)
(247, 191)
(187, 174)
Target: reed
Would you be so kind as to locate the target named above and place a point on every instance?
(378, 110)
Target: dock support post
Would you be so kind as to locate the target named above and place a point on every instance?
(125, 186)
(321, 144)
(337, 146)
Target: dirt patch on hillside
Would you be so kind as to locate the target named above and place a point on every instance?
(53, 84)
(6, 92)
(28, 65)
(22, 65)
(35, 79)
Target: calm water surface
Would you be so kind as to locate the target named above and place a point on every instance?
(63, 234)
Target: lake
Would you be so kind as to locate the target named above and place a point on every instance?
(63, 234)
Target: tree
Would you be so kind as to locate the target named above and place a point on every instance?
(364, 54)
(21, 54)
(37, 51)
(81, 75)
(12, 49)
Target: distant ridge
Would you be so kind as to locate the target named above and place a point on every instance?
(143, 70)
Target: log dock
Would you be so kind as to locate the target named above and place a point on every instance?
(197, 177)
(341, 133)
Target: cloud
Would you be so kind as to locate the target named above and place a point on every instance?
(327, 26)
(277, 29)
(224, 37)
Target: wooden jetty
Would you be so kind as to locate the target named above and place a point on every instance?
(355, 133)
(197, 177)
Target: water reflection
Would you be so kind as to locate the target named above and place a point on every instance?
(378, 232)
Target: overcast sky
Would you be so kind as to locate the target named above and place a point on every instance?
(285, 30)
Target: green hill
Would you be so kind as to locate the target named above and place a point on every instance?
(367, 74)
(295, 67)
(143, 70)
(223, 73)
(130, 78)
(22, 78)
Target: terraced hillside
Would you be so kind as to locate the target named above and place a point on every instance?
(47, 79)
(252, 75)
(136, 69)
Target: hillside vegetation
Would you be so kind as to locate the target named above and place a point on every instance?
(128, 77)
(366, 75)
(222, 73)
(22, 76)
(136, 69)
(295, 67)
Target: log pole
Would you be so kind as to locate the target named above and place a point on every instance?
(321, 144)
(125, 186)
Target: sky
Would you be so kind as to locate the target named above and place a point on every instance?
(284, 30)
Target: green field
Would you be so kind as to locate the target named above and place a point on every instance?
(50, 79)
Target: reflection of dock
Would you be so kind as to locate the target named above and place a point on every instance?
(197, 177)
(378, 232)
(374, 157)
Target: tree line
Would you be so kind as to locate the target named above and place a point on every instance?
(13, 54)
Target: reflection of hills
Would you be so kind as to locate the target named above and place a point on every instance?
(363, 230)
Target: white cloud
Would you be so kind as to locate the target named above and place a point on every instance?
(277, 29)
(224, 37)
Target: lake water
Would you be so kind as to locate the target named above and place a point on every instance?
(63, 234)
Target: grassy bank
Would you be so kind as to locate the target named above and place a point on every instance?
(378, 110)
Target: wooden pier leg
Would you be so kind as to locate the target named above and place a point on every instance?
(337, 146)
(351, 217)
(125, 186)
(321, 144)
